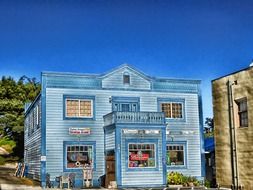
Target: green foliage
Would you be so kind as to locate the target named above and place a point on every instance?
(207, 183)
(209, 128)
(176, 178)
(2, 160)
(7, 144)
(13, 96)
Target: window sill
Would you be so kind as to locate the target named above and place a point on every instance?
(142, 169)
(176, 167)
(78, 118)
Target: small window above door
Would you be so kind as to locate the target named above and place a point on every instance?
(125, 104)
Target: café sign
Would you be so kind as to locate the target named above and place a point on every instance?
(79, 131)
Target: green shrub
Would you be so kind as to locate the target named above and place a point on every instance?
(2, 160)
(207, 183)
(7, 144)
(176, 178)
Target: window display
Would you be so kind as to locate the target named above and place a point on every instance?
(141, 155)
(175, 155)
(77, 156)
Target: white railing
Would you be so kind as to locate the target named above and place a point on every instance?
(134, 117)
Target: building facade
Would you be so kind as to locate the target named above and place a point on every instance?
(125, 124)
(233, 121)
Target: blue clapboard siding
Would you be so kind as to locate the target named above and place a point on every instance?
(32, 139)
(103, 87)
(57, 128)
(180, 86)
(115, 80)
(110, 140)
(72, 81)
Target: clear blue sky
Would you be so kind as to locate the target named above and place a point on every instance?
(193, 39)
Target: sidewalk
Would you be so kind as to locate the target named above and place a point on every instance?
(26, 187)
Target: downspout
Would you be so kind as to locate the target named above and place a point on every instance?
(232, 135)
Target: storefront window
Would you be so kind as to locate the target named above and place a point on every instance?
(175, 155)
(141, 155)
(78, 155)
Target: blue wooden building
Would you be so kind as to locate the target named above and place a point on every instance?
(130, 126)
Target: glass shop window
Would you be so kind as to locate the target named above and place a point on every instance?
(141, 155)
(175, 155)
(78, 155)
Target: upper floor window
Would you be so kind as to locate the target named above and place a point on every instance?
(172, 109)
(243, 112)
(126, 78)
(76, 107)
(126, 104)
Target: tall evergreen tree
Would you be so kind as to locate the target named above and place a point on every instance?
(13, 96)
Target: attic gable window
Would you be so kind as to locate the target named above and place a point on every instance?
(126, 78)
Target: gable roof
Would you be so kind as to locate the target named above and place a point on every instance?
(131, 68)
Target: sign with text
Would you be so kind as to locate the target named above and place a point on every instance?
(79, 131)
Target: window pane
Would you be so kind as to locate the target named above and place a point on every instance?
(78, 154)
(175, 155)
(72, 108)
(125, 107)
(126, 79)
(243, 113)
(85, 108)
(166, 108)
(177, 110)
(142, 156)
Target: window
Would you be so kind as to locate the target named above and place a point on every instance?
(175, 155)
(78, 155)
(242, 112)
(141, 155)
(125, 104)
(37, 115)
(172, 109)
(126, 79)
(79, 108)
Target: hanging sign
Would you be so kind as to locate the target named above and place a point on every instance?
(79, 131)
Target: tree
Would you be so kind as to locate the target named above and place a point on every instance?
(13, 96)
(209, 126)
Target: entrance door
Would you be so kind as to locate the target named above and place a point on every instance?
(110, 169)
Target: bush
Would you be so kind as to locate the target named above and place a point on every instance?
(207, 183)
(176, 178)
(7, 144)
(2, 160)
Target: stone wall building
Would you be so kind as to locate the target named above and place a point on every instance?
(233, 122)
